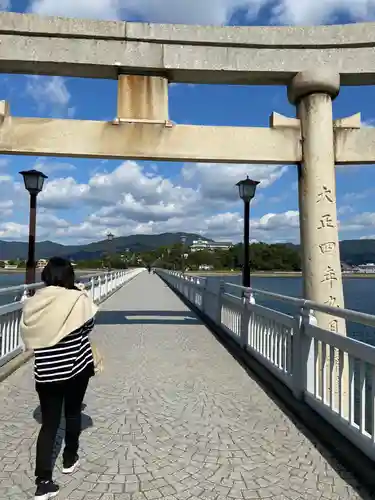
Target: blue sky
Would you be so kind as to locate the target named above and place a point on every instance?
(83, 199)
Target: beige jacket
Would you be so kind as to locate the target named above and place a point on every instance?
(52, 313)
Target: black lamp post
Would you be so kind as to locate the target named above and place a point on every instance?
(183, 241)
(247, 190)
(110, 239)
(34, 182)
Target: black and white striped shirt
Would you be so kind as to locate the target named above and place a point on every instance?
(66, 359)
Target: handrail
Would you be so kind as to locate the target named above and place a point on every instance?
(20, 288)
(348, 314)
(99, 286)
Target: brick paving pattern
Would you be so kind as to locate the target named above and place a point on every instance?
(173, 416)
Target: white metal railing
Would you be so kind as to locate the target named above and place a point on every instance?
(100, 287)
(333, 374)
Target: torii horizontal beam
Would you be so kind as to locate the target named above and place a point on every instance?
(167, 142)
(233, 55)
(147, 141)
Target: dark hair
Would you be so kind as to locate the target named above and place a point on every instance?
(59, 272)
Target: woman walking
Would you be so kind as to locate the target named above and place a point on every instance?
(56, 323)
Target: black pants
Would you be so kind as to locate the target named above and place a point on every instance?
(52, 396)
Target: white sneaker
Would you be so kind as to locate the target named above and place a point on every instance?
(46, 490)
(71, 468)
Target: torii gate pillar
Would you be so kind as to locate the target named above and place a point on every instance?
(312, 92)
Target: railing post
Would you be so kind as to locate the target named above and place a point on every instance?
(220, 302)
(3, 340)
(302, 357)
(203, 292)
(24, 296)
(99, 288)
(92, 288)
(247, 300)
(193, 291)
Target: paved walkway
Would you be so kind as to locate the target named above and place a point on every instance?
(173, 416)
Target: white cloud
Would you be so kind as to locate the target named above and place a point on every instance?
(127, 190)
(324, 11)
(142, 195)
(345, 209)
(50, 94)
(216, 186)
(360, 222)
(135, 199)
(62, 193)
(209, 12)
(13, 231)
(47, 225)
(95, 9)
(11, 195)
(222, 226)
(165, 11)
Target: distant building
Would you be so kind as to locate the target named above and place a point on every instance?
(9, 266)
(205, 267)
(199, 245)
(366, 268)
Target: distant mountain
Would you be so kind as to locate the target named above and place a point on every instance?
(356, 252)
(135, 243)
(353, 252)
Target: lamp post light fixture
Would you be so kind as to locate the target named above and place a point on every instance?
(247, 189)
(110, 237)
(34, 182)
(183, 242)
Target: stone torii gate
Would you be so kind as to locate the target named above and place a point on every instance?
(144, 58)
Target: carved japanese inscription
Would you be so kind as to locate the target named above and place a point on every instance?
(331, 302)
(326, 195)
(328, 247)
(334, 326)
(326, 221)
(329, 276)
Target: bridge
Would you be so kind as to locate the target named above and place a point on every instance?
(178, 414)
(174, 415)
